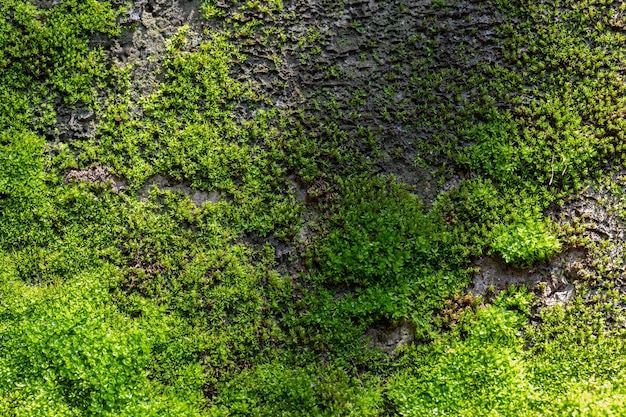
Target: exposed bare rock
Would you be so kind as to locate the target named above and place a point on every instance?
(494, 276)
(197, 197)
(389, 338)
(600, 233)
(142, 47)
(561, 297)
(96, 174)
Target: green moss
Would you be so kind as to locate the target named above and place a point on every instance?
(275, 389)
(484, 365)
(69, 352)
(526, 241)
(142, 302)
(472, 371)
(389, 258)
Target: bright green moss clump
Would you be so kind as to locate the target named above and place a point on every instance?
(485, 366)
(69, 352)
(526, 241)
(389, 251)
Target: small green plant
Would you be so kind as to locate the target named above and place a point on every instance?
(525, 241)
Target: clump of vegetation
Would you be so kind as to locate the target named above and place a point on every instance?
(68, 351)
(484, 365)
(387, 252)
(528, 240)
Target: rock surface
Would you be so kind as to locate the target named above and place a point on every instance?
(389, 338)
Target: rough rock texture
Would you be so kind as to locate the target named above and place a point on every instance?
(355, 66)
(197, 197)
(596, 219)
(142, 45)
(389, 338)
(553, 277)
(96, 174)
(352, 67)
